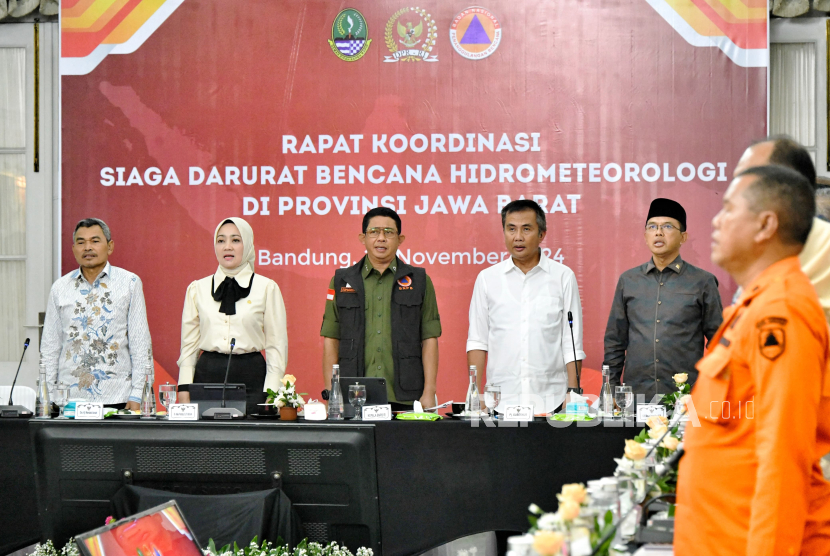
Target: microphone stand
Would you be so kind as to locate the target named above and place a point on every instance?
(227, 370)
(576, 364)
(224, 412)
(11, 410)
(666, 467)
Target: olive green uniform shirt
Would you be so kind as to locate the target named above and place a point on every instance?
(378, 346)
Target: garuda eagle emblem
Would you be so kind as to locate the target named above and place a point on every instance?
(409, 34)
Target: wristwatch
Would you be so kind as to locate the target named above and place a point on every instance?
(324, 394)
(575, 390)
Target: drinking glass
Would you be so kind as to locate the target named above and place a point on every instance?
(492, 397)
(624, 396)
(61, 396)
(167, 395)
(357, 397)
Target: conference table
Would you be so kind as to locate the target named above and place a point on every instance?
(399, 487)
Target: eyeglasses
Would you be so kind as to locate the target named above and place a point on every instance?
(387, 232)
(664, 227)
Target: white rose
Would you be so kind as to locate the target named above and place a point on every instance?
(681, 378)
(547, 522)
(534, 509)
(280, 403)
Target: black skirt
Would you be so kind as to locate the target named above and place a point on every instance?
(246, 368)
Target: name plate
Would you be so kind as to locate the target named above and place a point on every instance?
(89, 410)
(377, 412)
(183, 412)
(518, 413)
(646, 410)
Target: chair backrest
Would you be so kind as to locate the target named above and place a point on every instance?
(23, 395)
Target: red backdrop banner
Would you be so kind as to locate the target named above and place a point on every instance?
(300, 115)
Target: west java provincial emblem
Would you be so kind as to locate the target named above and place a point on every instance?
(410, 36)
(348, 35)
(475, 33)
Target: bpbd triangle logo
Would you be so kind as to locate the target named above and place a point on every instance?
(475, 33)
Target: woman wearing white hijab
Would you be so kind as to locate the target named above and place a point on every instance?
(234, 303)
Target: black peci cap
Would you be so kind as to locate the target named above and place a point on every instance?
(668, 209)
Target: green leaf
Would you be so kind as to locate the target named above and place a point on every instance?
(609, 518)
(533, 520)
(672, 508)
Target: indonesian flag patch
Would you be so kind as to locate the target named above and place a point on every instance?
(330, 295)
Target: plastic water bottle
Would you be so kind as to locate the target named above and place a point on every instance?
(472, 404)
(335, 396)
(42, 405)
(606, 399)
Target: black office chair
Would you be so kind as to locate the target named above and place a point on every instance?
(225, 518)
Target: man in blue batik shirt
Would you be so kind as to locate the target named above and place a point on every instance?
(95, 337)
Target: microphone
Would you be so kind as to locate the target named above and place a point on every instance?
(671, 462)
(224, 412)
(227, 370)
(25, 347)
(11, 410)
(573, 343)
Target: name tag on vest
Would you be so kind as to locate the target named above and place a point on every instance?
(89, 410)
(518, 413)
(183, 412)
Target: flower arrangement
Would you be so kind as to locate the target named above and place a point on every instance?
(683, 390)
(553, 532)
(287, 395)
(267, 549)
(633, 464)
(48, 549)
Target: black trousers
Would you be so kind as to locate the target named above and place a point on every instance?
(246, 368)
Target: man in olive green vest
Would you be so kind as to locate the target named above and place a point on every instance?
(381, 318)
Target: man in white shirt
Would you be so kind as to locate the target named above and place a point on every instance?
(519, 318)
(95, 336)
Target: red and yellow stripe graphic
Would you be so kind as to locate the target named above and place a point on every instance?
(737, 27)
(92, 29)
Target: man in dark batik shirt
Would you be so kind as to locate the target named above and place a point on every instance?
(662, 310)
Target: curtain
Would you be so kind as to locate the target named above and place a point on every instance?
(12, 95)
(793, 92)
(12, 201)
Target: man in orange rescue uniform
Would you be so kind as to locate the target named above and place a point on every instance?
(750, 482)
